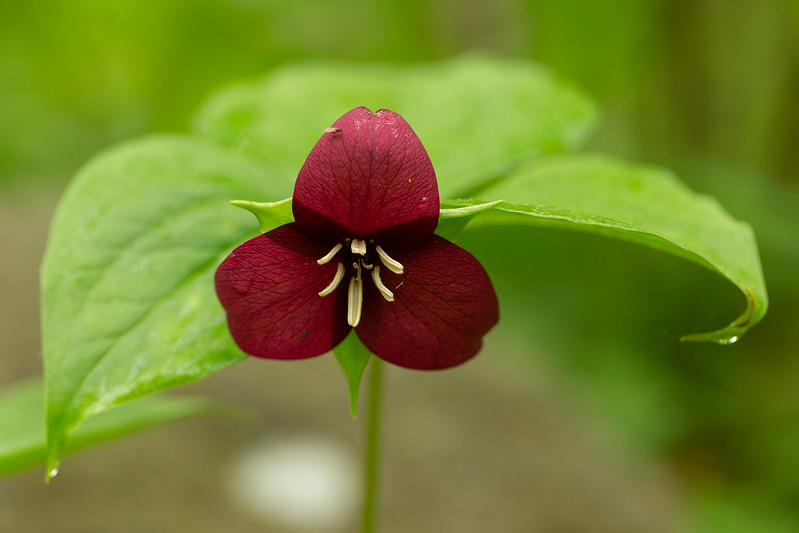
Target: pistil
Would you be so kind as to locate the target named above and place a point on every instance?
(358, 246)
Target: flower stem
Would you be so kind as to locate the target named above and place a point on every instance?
(372, 448)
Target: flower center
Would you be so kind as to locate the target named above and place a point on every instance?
(361, 256)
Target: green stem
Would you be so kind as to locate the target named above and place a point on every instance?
(372, 451)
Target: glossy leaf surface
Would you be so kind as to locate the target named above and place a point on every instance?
(128, 304)
(646, 205)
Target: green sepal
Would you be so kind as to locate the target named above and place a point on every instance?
(353, 357)
(455, 215)
(270, 215)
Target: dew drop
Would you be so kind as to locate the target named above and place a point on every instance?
(729, 340)
(52, 473)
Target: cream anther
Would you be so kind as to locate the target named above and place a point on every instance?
(336, 280)
(332, 253)
(355, 301)
(387, 294)
(391, 264)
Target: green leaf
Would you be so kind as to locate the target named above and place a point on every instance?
(477, 117)
(269, 214)
(128, 301)
(22, 441)
(353, 357)
(645, 205)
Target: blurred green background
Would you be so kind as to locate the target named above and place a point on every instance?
(705, 87)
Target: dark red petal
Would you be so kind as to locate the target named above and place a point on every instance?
(443, 305)
(269, 288)
(368, 176)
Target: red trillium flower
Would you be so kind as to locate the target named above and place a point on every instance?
(361, 254)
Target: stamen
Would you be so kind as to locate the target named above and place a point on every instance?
(391, 264)
(354, 301)
(336, 280)
(358, 246)
(332, 253)
(387, 294)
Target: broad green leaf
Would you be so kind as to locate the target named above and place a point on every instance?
(22, 441)
(128, 301)
(353, 357)
(476, 116)
(646, 205)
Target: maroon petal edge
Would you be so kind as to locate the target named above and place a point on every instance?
(368, 176)
(269, 289)
(443, 305)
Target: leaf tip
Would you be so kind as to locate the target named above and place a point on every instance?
(719, 337)
(51, 470)
(754, 312)
(54, 444)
